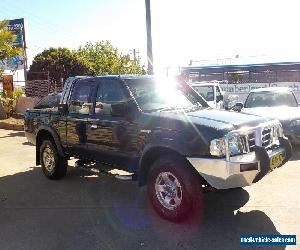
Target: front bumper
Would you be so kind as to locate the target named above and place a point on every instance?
(223, 174)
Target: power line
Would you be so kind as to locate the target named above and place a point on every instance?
(40, 23)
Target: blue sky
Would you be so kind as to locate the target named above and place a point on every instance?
(258, 30)
(72, 23)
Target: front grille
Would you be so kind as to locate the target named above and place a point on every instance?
(266, 137)
(251, 141)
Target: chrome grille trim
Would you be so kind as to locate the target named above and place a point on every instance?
(251, 141)
(266, 136)
(261, 135)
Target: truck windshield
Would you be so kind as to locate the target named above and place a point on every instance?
(207, 92)
(271, 99)
(154, 94)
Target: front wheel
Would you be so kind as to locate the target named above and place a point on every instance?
(54, 166)
(174, 189)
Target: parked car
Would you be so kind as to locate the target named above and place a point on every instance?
(278, 103)
(211, 92)
(161, 132)
(230, 100)
(49, 101)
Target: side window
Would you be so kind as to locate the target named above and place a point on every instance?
(109, 92)
(81, 98)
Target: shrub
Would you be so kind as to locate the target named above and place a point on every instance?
(9, 100)
(18, 93)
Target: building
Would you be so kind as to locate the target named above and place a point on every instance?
(246, 73)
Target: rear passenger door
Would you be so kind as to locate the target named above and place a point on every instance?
(110, 136)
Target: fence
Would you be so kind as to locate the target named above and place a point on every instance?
(41, 88)
(248, 77)
(245, 73)
(37, 88)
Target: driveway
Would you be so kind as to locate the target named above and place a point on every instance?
(89, 212)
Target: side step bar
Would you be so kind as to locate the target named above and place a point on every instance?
(97, 169)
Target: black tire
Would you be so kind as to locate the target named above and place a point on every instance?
(59, 166)
(190, 191)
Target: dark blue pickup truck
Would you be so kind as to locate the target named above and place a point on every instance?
(159, 130)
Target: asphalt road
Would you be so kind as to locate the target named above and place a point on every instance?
(88, 212)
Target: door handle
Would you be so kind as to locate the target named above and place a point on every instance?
(94, 126)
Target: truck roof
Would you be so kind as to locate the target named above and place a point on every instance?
(69, 81)
(124, 77)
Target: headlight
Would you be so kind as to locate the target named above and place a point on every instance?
(235, 145)
(295, 123)
(218, 147)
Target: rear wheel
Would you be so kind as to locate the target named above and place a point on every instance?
(54, 166)
(174, 189)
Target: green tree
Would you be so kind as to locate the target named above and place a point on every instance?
(104, 59)
(60, 63)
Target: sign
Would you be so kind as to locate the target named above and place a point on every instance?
(247, 87)
(13, 64)
(8, 85)
(17, 27)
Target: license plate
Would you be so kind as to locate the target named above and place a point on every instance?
(277, 160)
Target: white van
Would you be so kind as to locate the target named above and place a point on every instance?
(211, 92)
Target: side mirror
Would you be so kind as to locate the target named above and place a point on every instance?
(219, 98)
(63, 108)
(238, 107)
(119, 109)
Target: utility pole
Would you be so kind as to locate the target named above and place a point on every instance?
(134, 55)
(167, 70)
(149, 37)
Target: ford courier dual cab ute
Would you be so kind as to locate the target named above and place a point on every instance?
(162, 132)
